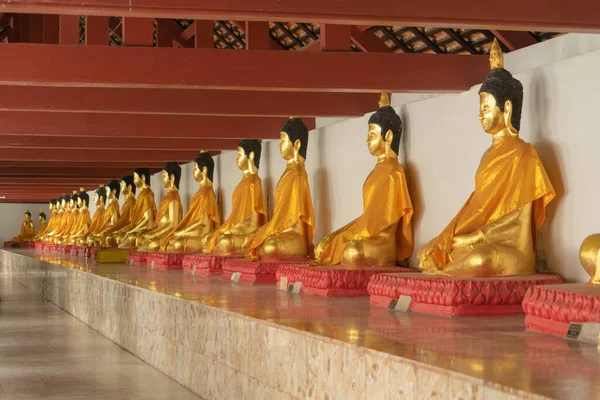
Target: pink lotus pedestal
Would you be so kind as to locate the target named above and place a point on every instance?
(26, 245)
(334, 280)
(257, 272)
(53, 248)
(166, 261)
(136, 257)
(66, 248)
(550, 309)
(206, 264)
(38, 245)
(453, 297)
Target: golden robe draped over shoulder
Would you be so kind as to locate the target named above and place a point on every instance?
(293, 202)
(83, 219)
(510, 176)
(68, 220)
(247, 198)
(125, 214)
(144, 201)
(385, 202)
(203, 204)
(112, 210)
(163, 209)
(96, 222)
(42, 230)
(54, 224)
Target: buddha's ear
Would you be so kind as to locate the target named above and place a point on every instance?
(251, 156)
(205, 171)
(508, 108)
(389, 136)
(297, 145)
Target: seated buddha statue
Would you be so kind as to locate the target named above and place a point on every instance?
(43, 226)
(248, 210)
(109, 237)
(111, 211)
(202, 216)
(100, 201)
(56, 221)
(84, 219)
(170, 211)
(382, 235)
(27, 231)
(70, 219)
(290, 231)
(494, 233)
(143, 214)
(589, 257)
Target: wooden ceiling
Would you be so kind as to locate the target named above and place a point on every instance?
(89, 91)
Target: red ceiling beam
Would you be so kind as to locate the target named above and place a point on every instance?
(531, 15)
(204, 34)
(69, 29)
(173, 29)
(185, 102)
(116, 154)
(34, 171)
(96, 30)
(103, 143)
(257, 35)
(335, 37)
(208, 68)
(138, 31)
(141, 125)
(51, 165)
(51, 29)
(367, 41)
(514, 40)
(36, 28)
(50, 181)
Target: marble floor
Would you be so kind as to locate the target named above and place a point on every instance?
(46, 353)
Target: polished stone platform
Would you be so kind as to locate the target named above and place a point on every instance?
(226, 341)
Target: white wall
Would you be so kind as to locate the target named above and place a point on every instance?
(11, 216)
(442, 145)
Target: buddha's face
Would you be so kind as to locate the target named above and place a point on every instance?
(41, 218)
(124, 188)
(287, 148)
(72, 204)
(200, 174)
(375, 141)
(490, 116)
(138, 181)
(241, 159)
(97, 200)
(27, 217)
(63, 204)
(109, 193)
(167, 180)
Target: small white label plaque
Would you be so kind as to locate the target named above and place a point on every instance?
(400, 304)
(587, 332)
(235, 277)
(283, 283)
(296, 287)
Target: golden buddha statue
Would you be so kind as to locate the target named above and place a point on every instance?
(111, 212)
(383, 234)
(43, 226)
(51, 221)
(588, 255)
(248, 210)
(170, 211)
(290, 231)
(83, 220)
(70, 219)
(494, 233)
(57, 221)
(27, 232)
(100, 201)
(202, 216)
(109, 238)
(143, 214)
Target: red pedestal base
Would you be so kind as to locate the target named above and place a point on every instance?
(38, 245)
(10, 245)
(53, 248)
(257, 272)
(335, 280)
(26, 245)
(205, 264)
(156, 260)
(453, 297)
(550, 309)
(136, 257)
(66, 248)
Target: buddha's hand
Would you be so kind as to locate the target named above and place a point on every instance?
(471, 239)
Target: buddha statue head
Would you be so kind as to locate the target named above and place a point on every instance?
(51, 204)
(73, 201)
(141, 177)
(42, 216)
(84, 198)
(66, 200)
(171, 175)
(27, 216)
(248, 155)
(385, 130)
(127, 185)
(500, 97)
(63, 203)
(113, 190)
(293, 140)
(204, 168)
(100, 196)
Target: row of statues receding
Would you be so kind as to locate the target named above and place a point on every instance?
(493, 234)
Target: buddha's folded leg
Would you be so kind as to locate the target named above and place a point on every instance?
(154, 245)
(284, 245)
(373, 251)
(490, 260)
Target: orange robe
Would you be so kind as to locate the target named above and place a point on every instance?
(385, 201)
(125, 215)
(247, 199)
(144, 201)
(293, 203)
(96, 222)
(510, 176)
